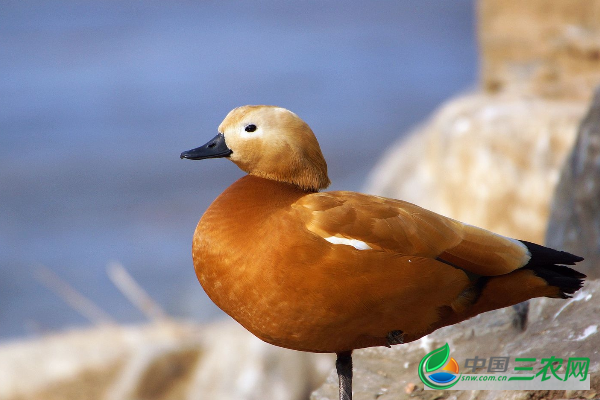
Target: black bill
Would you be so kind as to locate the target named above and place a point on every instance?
(215, 148)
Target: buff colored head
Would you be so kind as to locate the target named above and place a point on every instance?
(270, 142)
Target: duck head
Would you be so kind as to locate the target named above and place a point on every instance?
(269, 142)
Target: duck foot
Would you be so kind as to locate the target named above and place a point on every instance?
(343, 366)
(395, 337)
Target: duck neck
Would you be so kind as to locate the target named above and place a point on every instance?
(307, 178)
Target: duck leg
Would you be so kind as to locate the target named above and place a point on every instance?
(521, 313)
(343, 365)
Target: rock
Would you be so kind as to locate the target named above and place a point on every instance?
(237, 365)
(555, 327)
(54, 365)
(489, 160)
(544, 48)
(575, 219)
(164, 360)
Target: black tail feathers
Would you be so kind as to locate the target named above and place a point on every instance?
(551, 265)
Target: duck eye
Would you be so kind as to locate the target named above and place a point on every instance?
(250, 128)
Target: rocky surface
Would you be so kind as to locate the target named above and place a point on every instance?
(46, 365)
(489, 160)
(575, 219)
(555, 327)
(164, 360)
(545, 48)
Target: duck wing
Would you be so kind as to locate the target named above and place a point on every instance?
(381, 224)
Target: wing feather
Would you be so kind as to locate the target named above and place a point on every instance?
(400, 227)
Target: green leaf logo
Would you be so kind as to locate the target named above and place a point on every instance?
(437, 358)
(433, 361)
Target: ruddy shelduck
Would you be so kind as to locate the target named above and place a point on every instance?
(337, 271)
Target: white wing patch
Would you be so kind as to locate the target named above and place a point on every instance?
(357, 244)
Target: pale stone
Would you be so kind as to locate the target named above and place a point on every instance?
(546, 48)
(488, 160)
(164, 360)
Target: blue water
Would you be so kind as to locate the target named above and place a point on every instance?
(97, 100)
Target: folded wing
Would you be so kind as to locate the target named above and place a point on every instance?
(400, 227)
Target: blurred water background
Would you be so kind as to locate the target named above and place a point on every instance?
(97, 100)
